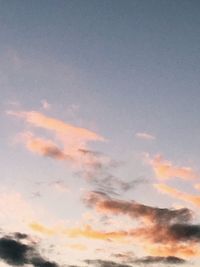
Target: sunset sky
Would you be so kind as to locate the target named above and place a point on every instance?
(100, 136)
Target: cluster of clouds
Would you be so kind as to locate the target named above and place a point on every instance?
(18, 249)
(167, 236)
(70, 144)
(162, 231)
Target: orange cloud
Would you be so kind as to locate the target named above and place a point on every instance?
(193, 199)
(165, 169)
(37, 119)
(88, 232)
(37, 227)
(149, 215)
(178, 250)
(73, 140)
(43, 147)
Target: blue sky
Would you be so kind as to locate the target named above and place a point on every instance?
(128, 72)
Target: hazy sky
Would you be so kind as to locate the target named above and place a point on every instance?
(100, 133)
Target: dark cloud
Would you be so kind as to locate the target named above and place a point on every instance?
(20, 235)
(16, 253)
(114, 186)
(165, 260)
(55, 153)
(170, 233)
(13, 252)
(105, 263)
(170, 228)
(40, 262)
(107, 205)
(185, 232)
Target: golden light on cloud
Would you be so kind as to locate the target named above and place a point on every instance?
(88, 232)
(165, 169)
(193, 199)
(40, 120)
(44, 230)
(177, 250)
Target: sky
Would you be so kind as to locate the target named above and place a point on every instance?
(100, 136)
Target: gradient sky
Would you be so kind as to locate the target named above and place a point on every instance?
(100, 133)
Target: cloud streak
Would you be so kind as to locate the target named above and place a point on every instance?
(165, 169)
(145, 136)
(193, 199)
(39, 120)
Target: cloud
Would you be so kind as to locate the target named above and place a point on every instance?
(165, 169)
(124, 256)
(16, 253)
(19, 235)
(107, 205)
(170, 236)
(130, 258)
(114, 186)
(105, 263)
(163, 232)
(13, 252)
(88, 232)
(60, 186)
(45, 104)
(145, 136)
(37, 227)
(174, 249)
(75, 135)
(197, 186)
(43, 147)
(165, 260)
(193, 199)
(95, 167)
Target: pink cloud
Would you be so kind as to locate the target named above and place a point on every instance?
(165, 169)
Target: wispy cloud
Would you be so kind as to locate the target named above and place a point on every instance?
(40, 228)
(105, 263)
(45, 104)
(165, 260)
(70, 143)
(60, 186)
(88, 232)
(145, 136)
(193, 199)
(43, 147)
(165, 169)
(75, 135)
